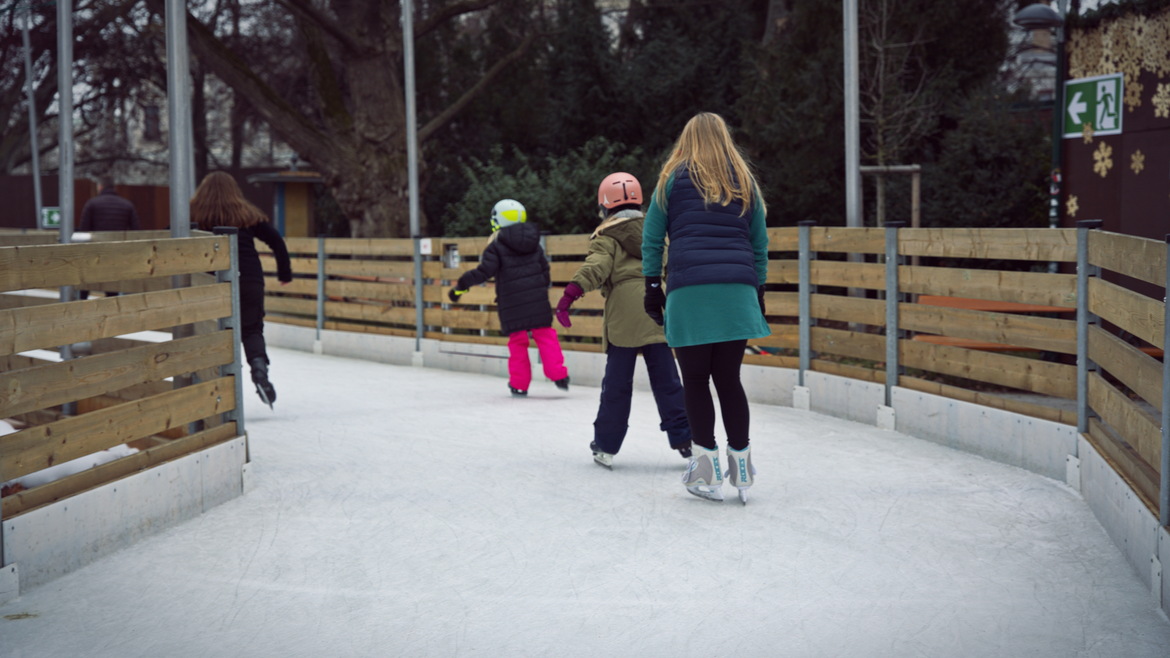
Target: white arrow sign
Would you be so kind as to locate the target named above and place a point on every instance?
(1075, 107)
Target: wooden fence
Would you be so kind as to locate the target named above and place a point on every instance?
(989, 316)
(166, 393)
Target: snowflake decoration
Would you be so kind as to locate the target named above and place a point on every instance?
(1088, 130)
(1161, 101)
(1137, 161)
(1071, 205)
(1103, 159)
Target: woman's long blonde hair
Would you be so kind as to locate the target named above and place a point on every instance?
(715, 164)
(219, 202)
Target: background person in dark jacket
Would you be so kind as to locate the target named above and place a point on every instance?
(219, 202)
(514, 258)
(708, 204)
(107, 212)
(614, 265)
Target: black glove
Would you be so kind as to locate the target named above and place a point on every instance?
(454, 293)
(760, 293)
(655, 299)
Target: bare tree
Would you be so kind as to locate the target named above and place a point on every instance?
(353, 130)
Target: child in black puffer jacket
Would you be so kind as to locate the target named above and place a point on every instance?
(514, 258)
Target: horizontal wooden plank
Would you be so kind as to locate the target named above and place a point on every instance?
(49, 385)
(851, 275)
(567, 245)
(17, 300)
(1131, 311)
(783, 271)
(49, 326)
(1131, 366)
(1033, 375)
(853, 344)
(990, 305)
(1049, 334)
(1124, 460)
(31, 499)
(848, 370)
(52, 266)
(1140, 428)
(1036, 410)
(838, 239)
(847, 309)
(783, 238)
(40, 447)
(1141, 258)
(1027, 244)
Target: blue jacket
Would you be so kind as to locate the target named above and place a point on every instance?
(709, 243)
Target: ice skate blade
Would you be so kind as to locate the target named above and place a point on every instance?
(264, 397)
(603, 459)
(743, 496)
(706, 492)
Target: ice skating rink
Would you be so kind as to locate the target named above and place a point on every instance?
(399, 511)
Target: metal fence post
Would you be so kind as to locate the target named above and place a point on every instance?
(893, 333)
(320, 286)
(805, 288)
(1164, 491)
(234, 369)
(1084, 319)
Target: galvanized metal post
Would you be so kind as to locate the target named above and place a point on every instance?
(65, 151)
(179, 117)
(852, 115)
(805, 288)
(34, 147)
(412, 164)
(235, 368)
(1164, 491)
(1084, 319)
(320, 286)
(893, 334)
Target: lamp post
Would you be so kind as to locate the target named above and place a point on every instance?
(1042, 17)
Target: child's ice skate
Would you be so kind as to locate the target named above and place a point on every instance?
(602, 458)
(740, 470)
(704, 474)
(517, 392)
(562, 383)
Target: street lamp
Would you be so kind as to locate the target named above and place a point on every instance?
(1043, 17)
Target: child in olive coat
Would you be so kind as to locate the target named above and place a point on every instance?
(614, 266)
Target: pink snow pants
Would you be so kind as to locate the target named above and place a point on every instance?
(520, 367)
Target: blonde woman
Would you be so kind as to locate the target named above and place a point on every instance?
(219, 202)
(708, 205)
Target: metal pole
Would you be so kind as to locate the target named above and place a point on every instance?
(1164, 490)
(235, 368)
(179, 116)
(35, 150)
(1054, 218)
(320, 286)
(805, 289)
(852, 117)
(65, 150)
(1084, 319)
(893, 367)
(412, 165)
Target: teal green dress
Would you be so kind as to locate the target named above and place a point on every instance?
(712, 312)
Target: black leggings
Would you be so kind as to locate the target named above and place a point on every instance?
(718, 362)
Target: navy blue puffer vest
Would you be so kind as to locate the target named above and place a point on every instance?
(708, 243)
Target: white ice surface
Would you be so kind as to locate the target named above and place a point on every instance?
(401, 511)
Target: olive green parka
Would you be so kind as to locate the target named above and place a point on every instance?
(614, 266)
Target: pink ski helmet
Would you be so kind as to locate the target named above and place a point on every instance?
(619, 189)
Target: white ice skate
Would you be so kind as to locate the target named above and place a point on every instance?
(602, 458)
(740, 470)
(704, 474)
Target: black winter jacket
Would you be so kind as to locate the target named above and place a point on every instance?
(108, 212)
(518, 264)
(250, 259)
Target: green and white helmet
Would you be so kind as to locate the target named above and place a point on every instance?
(508, 212)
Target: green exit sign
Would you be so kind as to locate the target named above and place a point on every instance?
(1094, 102)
